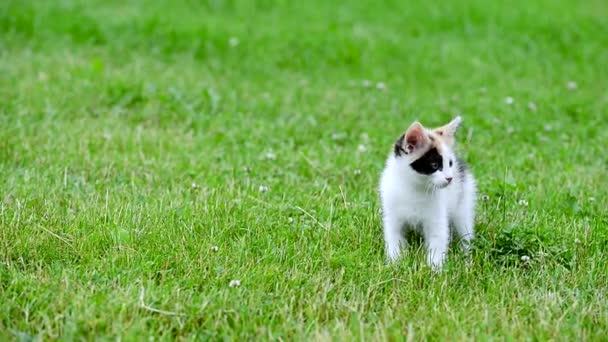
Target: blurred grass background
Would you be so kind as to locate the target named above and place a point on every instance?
(137, 136)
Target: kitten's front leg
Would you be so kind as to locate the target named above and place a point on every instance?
(437, 238)
(393, 238)
(463, 223)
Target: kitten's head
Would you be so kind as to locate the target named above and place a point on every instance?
(429, 152)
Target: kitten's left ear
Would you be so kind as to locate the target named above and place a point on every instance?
(448, 131)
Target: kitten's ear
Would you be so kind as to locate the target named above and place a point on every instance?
(414, 138)
(448, 131)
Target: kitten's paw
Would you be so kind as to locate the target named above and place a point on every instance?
(393, 254)
(436, 268)
(435, 263)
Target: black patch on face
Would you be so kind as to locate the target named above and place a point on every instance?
(399, 146)
(429, 163)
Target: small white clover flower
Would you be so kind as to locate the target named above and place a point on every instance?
(361, 148)
(525, 258)
(233, 41)
(577, 241)
(290, 219)
(195, 186)
(357, 172)
(380, 86)
(234, 283)
(215, 248)
(263, 188)
(270, 155)
(571, 85)
(338, 136)
(366, 83)
(523, 203)
(591, 199)
(532, 106)
(509, 100)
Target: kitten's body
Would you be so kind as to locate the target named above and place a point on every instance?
(425, 187)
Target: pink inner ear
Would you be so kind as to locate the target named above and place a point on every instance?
(415, 138)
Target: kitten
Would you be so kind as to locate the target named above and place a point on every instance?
(426, 188)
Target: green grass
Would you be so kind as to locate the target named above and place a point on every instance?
(110, 111)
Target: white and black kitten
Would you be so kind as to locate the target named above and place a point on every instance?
(426, 188)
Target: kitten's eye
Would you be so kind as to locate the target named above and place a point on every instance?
(434, 165)
(451, 163)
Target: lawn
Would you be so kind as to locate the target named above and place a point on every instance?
(209, 170)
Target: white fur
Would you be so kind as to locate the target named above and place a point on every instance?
(427, 204)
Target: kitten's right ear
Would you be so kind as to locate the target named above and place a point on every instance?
(414, 138)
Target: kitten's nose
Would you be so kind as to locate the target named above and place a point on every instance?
(449, 179)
